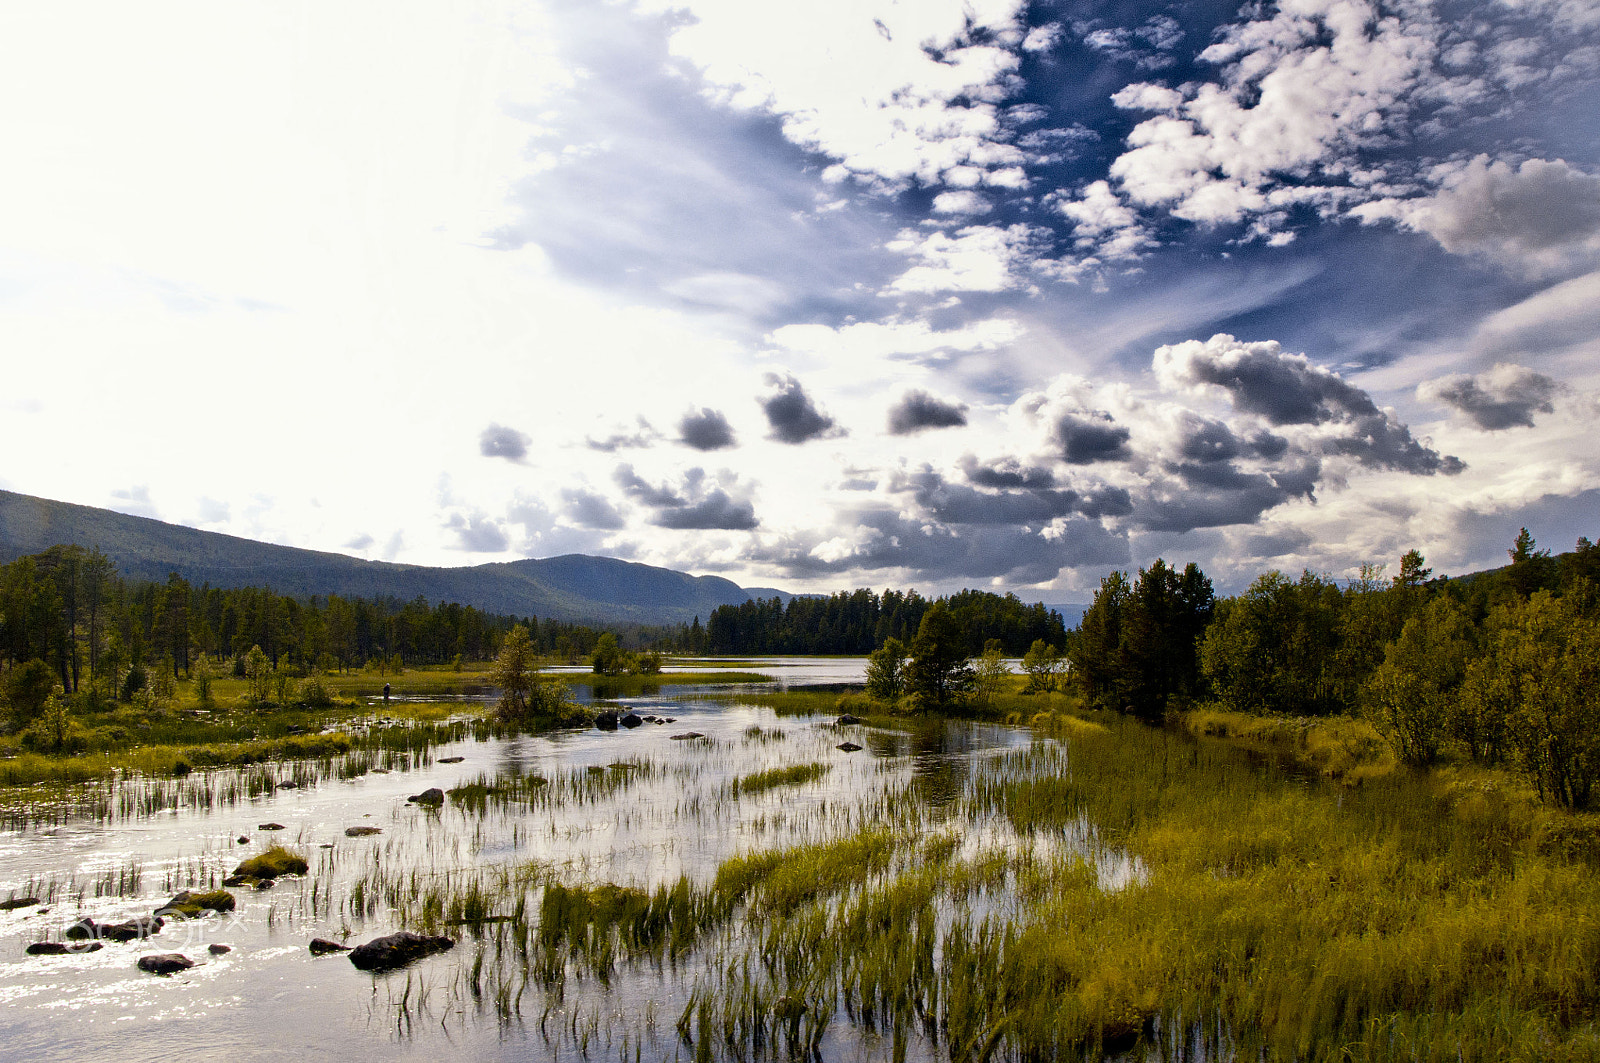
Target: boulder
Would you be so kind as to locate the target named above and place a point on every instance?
(322, 946)
(362, 832)
(607, 719)
(219, 950)
(243, 840)
(190, 904)
(273, 863)
(62, 948)
(431, 796)
(631, 720)
(397, 950)
(134, 929)
(848, 747)
(846, 719)
(165, 963)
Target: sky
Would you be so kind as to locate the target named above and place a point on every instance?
(849, 293)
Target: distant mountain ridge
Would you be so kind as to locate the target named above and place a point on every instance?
(574, 587)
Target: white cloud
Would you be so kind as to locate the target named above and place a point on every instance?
(979, 258)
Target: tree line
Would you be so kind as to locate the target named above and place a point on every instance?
(1501, 667)
(69, 609)
(860, 621)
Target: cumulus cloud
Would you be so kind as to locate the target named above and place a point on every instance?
(1088, 436)
(875, 539)
(1006, 472)
(705, 429)
(952, 503)
(498, 441)
(589, 510)
(1287, 389)
(643, 435)
(1506, 396)
(1540, 215)
(792, 415)
(478, 533)
(917, 410)
(698, 502)
(978, 258)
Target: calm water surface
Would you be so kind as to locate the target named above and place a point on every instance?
(667, 812)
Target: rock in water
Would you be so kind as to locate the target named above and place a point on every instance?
(846, 720)
(431, 796)
(687, 735)
(450, 760)
(219, 950)
(270, 826)
(165, 963)
(322, 946)
(61, 948)
(18, 902)
(397, 950)
(361, 832)
(631, 720)
(848, 747)
(132, 930)
(607, 720)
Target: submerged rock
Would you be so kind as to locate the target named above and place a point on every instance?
(397, 950)
(62, 948)
(290, 785)
(322, 946)
(189, 904)
(135, 929)
(687, 735)
(431, 796)
(848, 747)
(18, 902)
(165, 963)
(450, 760)
(270, 826)
(361, 832)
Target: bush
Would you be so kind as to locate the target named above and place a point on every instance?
(314, 692)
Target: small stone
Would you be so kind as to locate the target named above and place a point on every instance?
(219, 950)
(451, 760)
(270, 826)
(165, 963)
(322, 946)
(62, 948)
(361, 832)
(397, 950)
(243, 840)
(848, 747)
(687, 735)
(291, 785)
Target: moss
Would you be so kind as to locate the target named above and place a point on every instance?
(191, 905)
(274, 863)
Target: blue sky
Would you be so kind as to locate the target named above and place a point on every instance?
(927, 294)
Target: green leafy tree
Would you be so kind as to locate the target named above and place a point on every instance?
(258, 675)
(204, 674)
(990, 673)
(886, 670)
(1539, 676)
(513, 672)
(1269, 649)
(1413, 696)
(1044, 667)
(1136, 648)
(608, 658)
(54, 730)
(27, 687)
(938, 671)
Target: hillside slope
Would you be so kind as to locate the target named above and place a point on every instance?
(572, 587)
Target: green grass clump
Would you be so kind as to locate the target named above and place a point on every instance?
(191, 905)
(793, 775)
(782, 880)
(274, 863)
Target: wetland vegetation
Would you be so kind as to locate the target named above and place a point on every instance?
(1310, 822)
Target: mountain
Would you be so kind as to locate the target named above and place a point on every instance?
(1071, 614)
(572, 587)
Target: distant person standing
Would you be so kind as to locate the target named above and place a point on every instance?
(386, 692)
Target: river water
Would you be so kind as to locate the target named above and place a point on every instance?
(633, 807)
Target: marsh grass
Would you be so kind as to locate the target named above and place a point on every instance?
(772, 778)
